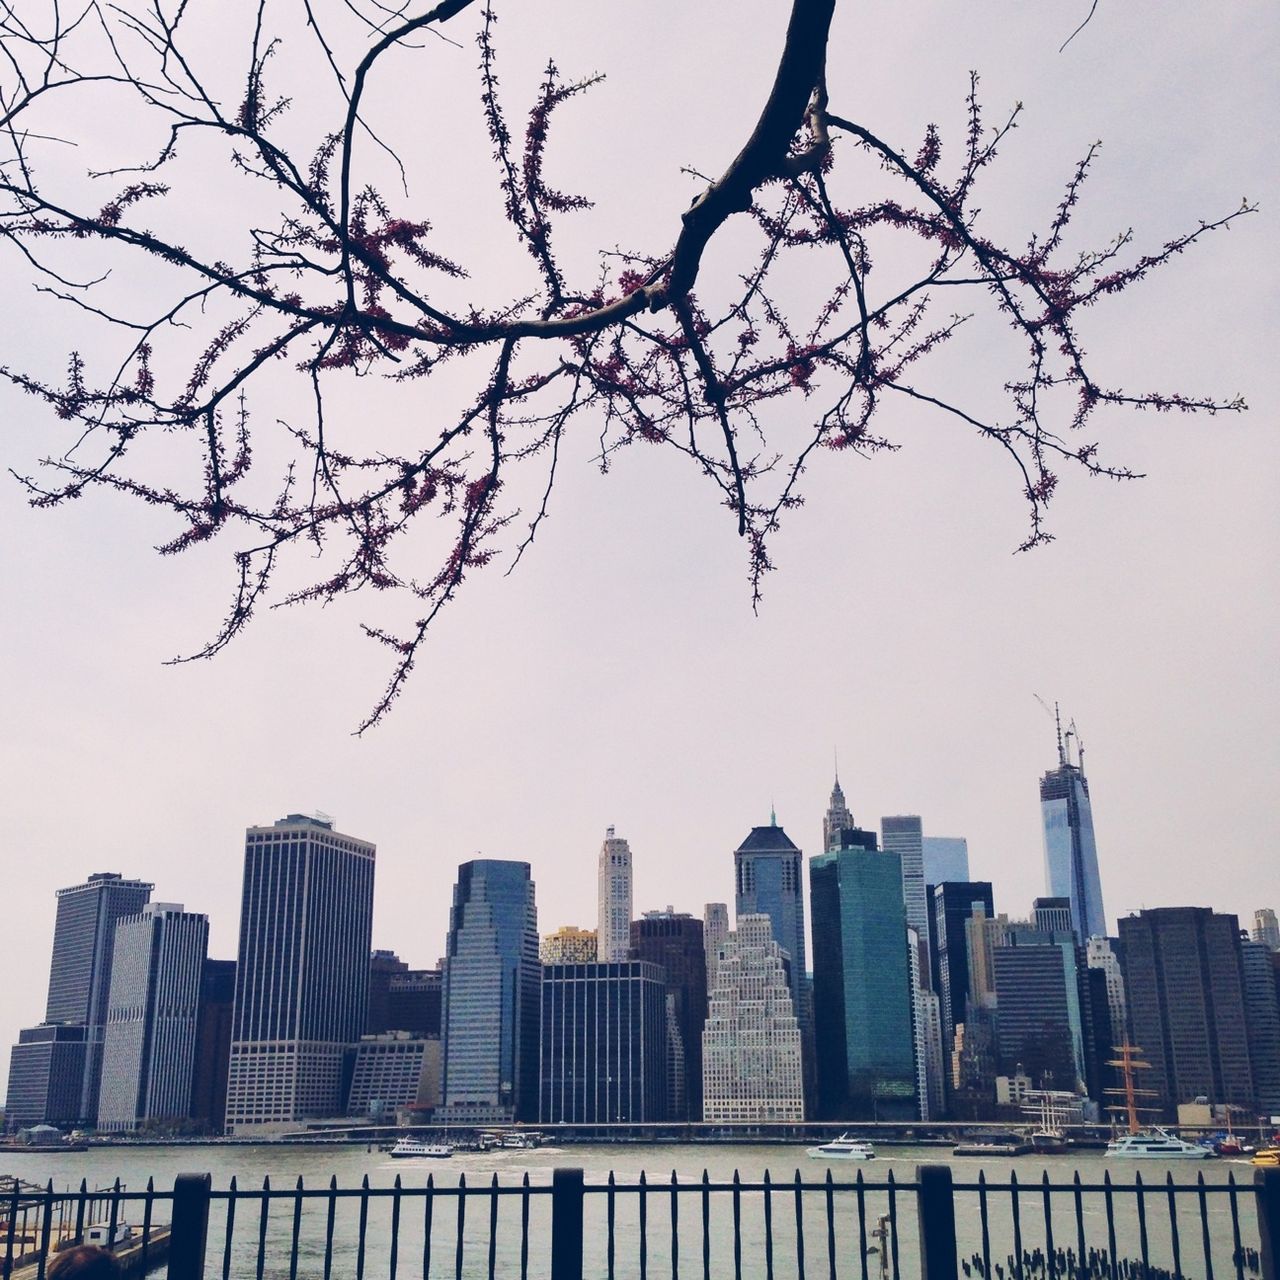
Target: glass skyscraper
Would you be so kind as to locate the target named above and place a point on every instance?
(863, 1016)
(302, 971)
(491, 996)
(1070, 852)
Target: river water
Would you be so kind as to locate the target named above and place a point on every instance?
(822, 1239)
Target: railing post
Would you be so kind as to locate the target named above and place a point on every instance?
(566, 1224)
(937, 1218)
(1266, 1185)
(189, 1228)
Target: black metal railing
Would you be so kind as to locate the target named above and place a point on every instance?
(834, 1227)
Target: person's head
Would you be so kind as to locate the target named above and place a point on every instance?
(83, 1262)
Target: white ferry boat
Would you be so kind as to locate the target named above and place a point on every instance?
(1156, 1144)
(844, 1148)
(408, 1148)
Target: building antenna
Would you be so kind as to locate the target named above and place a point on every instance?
(1057, 720)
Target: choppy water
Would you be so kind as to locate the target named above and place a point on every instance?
(669, 1251)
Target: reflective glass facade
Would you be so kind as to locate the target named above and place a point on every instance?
(1070, 852)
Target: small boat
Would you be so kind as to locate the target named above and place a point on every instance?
(843, 1148)
(1267, 1158)
(410, 1148)
(1156, 1144)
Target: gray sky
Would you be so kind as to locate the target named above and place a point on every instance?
(619, 675)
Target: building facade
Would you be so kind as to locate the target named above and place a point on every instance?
(302, 971)
(945, 858)
(836, 818)
(1266, 928)
(569, 945)
(751, 1059)
(1101, 954)
(1070, 850)
(46, 1076)
(903, 835)
(1184, 979)
(80, 970)
(1262, 1012)
(392, 1072)
(604, 1044)
(613, 919)
(953, 904)
(1052, 915)
(1039, 1029)
(715, 930)
(769, 875)
(674, 941)
(491, 996)
(213, 1044)
(863, 1011)
(149, 1054)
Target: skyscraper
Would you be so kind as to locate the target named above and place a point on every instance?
(770, 882)
(491, 996)
(302, 970)
(213, 1044)
(1262, 1010)
(953, 904)
(1039, 1023)
(149, 1055)
(1101, 955)
(674, 940)
(613, 927)
(46, 1076)
(1183, 975)
(80, 974)
(903, 835)
(945, 858)
(1266, 929)
(1070, 852)
(569, 945)
(836, 818)
(1052, 915)
(863, 1015)
(751, 1061)
(715, 929)
(604, 1044)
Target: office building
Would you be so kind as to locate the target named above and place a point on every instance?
(863, 1015)
(213, 1044)
(402, 999)
(751, 1058)
(715, 929)
(302, 971)
(674, 941)
(613, 923)
(569, 945)
(769, 877)
(1266, 929)
(953, 904)
(382, 966)
(46, 1076)
(1184, 980)
(903, 836)
(1101, 954)
(80, 971)
(394, 1071)
(604, 1044)
(1262, 1012)
(1070, 851)
(491, 996)
(149, 1054)
(945, 858)
(1052, 915)
(1039, 1028)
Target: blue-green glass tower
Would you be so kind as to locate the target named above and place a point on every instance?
(861, 983)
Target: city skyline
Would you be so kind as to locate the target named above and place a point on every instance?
(1003, 903)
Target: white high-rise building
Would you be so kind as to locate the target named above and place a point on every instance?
(302, 970)
(613, 927)
(927, 1031)
(751, 1058)
(1266, 929)
(1101, 955)
(715, 929)
(149, 1053)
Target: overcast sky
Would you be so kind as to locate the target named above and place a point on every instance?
(619, 676)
